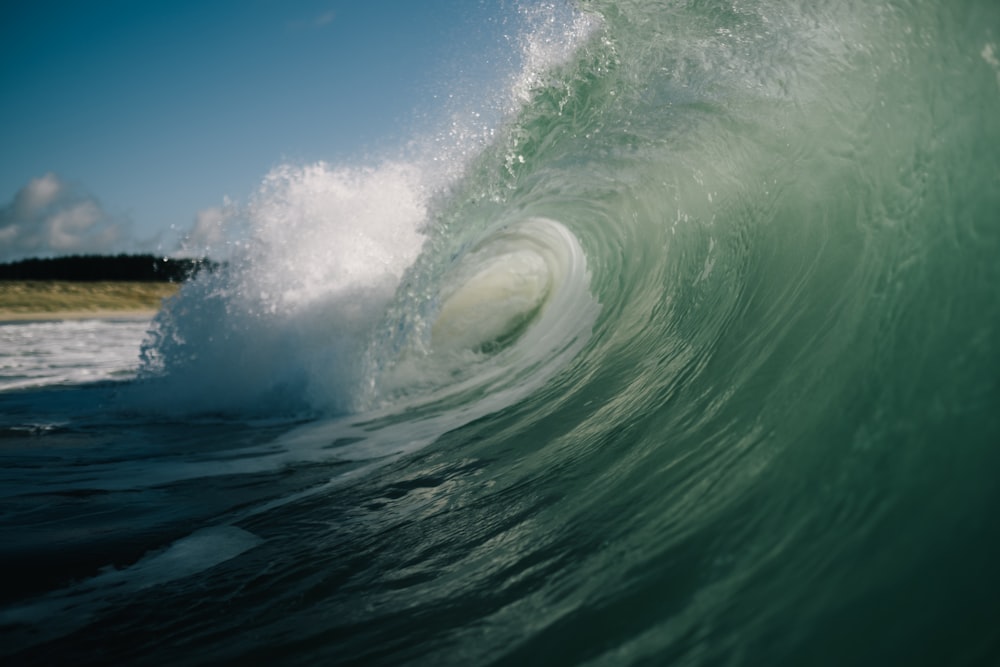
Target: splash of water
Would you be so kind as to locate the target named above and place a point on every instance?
(287, 326)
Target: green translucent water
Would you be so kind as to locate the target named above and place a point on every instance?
(781, 443)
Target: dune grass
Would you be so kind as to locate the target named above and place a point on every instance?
(63, 300)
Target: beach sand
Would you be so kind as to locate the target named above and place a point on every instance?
(57, 300)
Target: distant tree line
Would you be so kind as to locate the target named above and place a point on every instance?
(91, 268)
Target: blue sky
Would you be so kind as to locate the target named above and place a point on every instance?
(127, 118)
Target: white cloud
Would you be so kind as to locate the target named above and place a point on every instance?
(48, 217)
(38, 194)
(212, 231)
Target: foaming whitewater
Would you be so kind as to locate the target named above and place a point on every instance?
(282, 327)
(679, 347)
(39, 354)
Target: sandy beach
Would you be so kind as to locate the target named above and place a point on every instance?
(54, 300)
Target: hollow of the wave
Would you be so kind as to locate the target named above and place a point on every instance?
(491, 308)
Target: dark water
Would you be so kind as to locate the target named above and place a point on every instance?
(693, 360)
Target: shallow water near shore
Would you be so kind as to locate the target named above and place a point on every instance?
(690, 358)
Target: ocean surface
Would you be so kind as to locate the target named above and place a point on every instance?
(682, 348)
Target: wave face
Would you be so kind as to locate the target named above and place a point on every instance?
(691, 358)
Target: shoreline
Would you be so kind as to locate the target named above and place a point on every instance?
(46, 301)
(61, 315)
